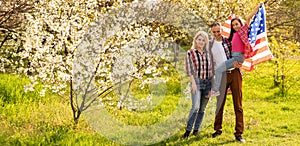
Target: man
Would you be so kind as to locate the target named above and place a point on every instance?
(221, 51)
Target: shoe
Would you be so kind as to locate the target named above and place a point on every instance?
(214, 135)
(240, 139)
(186, 135)
(214, 93)
(196, 132)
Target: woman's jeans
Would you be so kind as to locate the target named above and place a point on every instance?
(199, 102)
(222, 67)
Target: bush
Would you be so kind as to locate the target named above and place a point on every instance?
(174, 86)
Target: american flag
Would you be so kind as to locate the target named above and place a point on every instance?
(257, 38)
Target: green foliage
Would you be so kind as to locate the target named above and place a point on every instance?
(49, 121)
(170, 32)
(164, 99)
(12, 89)
(152, 115)
(285, 62)
(26, 118)
(263, 76)
(174, 85)
(282, 19)
(212, 11)
(57, 135)
(185, 48)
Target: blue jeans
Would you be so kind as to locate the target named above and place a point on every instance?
(236, 56)
(199, 103)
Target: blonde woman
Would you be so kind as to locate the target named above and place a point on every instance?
(199, 68)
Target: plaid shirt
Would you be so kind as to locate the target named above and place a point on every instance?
(227, 47)
(243, 33)
(197, 64)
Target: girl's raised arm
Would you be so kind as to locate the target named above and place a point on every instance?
(254, 11)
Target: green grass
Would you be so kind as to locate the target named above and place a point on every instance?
(29, 119)
(12, 90)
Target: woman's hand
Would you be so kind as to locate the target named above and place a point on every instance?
(194, 88)
(194, 85)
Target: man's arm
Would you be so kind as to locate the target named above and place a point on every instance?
(237, 65)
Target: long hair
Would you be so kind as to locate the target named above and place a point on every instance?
(205, 36)
(232, 31)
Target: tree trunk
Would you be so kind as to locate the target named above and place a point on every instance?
(74, 106)
(76, 115)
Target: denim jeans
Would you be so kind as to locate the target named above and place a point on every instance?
(222, 67)
(199, 103)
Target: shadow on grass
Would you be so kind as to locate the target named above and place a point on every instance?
(223, 142)
(178, 140)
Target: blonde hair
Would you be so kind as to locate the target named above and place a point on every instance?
(205, 36)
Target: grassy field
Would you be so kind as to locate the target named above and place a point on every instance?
(29, 119)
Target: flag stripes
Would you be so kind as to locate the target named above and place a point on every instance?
(257, 38)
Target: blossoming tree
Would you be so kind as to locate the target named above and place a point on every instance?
(90, 50)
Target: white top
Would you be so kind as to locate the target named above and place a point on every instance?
(218, 52)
